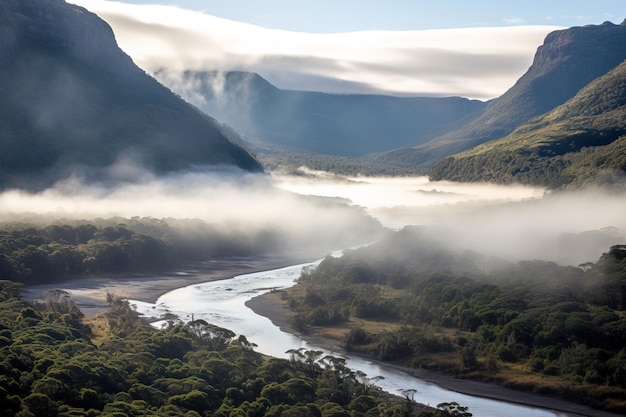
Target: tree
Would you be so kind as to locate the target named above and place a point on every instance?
(210, 335)
(454, 409)
(9, 289)
(59, 301)
(468, 357)
(194, 400)
(40, 405)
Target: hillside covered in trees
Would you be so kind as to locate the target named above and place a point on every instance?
(582, 142)
(534, 325)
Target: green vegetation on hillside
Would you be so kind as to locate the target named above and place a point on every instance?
(532, 326)
(602, 166)
(580, 143)
(568, 60)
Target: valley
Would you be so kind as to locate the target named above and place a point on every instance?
(473, 241)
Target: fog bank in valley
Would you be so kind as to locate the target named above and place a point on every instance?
(316, 212)
(232, 202)
(514, 222)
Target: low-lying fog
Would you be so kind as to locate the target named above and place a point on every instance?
(511, 221)
(515, 222)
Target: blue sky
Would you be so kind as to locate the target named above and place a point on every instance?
(327, 16)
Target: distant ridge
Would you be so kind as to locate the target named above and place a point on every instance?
(74, 104)
(331, 124)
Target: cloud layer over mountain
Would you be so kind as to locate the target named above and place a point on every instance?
(472, 62)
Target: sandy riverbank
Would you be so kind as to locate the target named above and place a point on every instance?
(90, 293)
(274, 308)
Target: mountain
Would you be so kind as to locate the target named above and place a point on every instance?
(74, 104)
(331, 124)
(567, 61)
(578, 143)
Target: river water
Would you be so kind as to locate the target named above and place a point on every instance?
(223, 303)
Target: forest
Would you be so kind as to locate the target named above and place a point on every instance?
(408, 299)
(533, 325)
(32, 252)
(38, 248)
(56, 363)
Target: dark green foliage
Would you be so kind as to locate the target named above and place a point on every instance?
(49, 366)
(43, 254)
(552, 320)
(37, 252)
(608, 284)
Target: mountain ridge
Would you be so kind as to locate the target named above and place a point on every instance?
(75, 104)
(577, 143)
(323, 123)
(567, 61)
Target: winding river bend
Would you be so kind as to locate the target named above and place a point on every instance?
(223, 303)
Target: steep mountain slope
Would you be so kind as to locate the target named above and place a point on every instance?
(567, 61)
(332, 124)
(580, 142)
(73, 102)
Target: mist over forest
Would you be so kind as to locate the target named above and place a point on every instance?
(321, 211)
(484, 240)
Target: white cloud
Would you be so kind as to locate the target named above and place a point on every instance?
(473, 62)
(513, 222)
(231, 201)
(514, 21)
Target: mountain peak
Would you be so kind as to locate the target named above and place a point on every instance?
(306, 121)
(73, 101)
(567, 61)
(579, 143)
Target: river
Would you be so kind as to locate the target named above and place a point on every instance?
(223, 303)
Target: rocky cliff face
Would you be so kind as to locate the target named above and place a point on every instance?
(567, 61)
